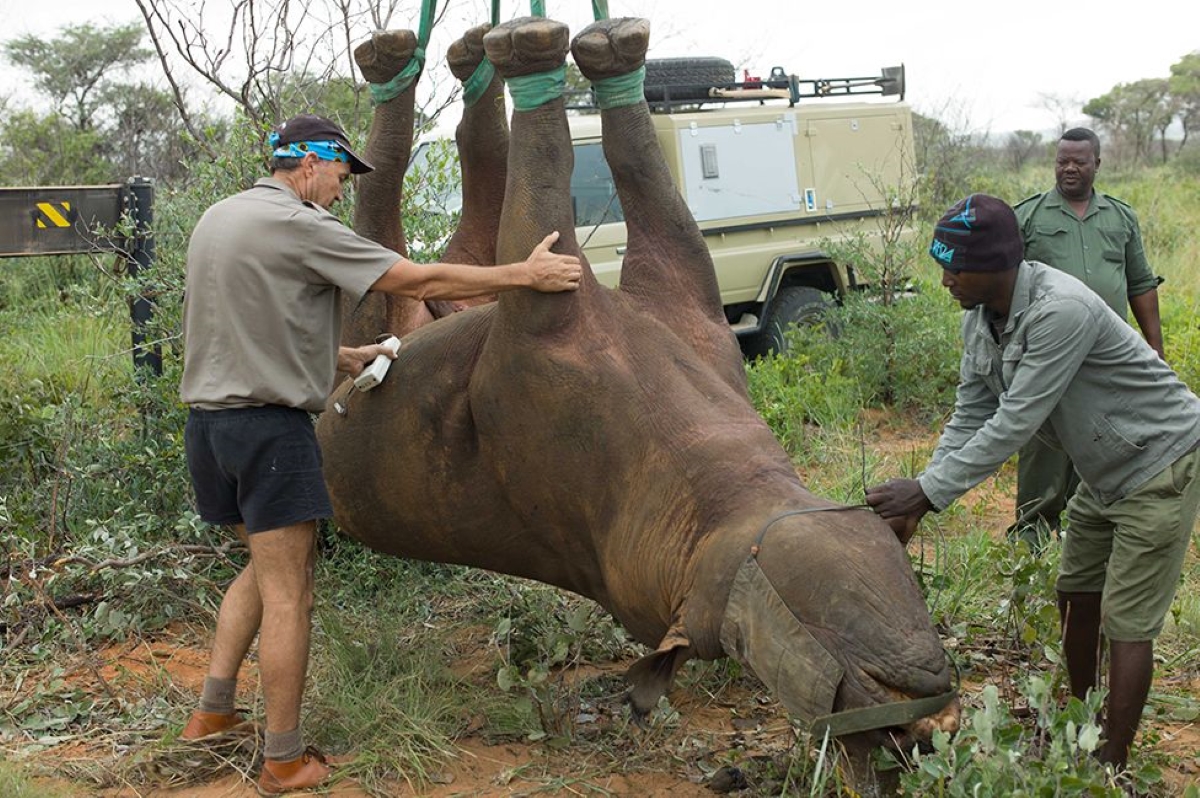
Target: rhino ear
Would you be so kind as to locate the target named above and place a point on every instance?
(651, 676)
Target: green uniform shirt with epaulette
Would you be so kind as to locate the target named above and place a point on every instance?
(1103, 249)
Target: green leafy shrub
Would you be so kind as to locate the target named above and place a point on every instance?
(904, 355)
(995, 754)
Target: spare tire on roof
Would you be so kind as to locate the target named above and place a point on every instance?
(685, 78)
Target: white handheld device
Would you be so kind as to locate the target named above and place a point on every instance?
(373, 374)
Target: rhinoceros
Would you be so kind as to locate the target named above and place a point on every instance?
(604, 441)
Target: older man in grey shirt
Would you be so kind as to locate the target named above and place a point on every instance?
(1043, 355)
(266, 273)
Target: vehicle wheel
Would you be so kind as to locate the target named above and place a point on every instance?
(796, 304)
(688, 78)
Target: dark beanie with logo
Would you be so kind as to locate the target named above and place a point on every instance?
(978, 234)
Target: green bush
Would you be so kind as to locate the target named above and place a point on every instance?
(904, 355)
(995, 756)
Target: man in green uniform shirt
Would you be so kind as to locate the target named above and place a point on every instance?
(1094, 238)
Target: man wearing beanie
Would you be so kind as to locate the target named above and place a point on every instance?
(1043, 354)
(266, 273)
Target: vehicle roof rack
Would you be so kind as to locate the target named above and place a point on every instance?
(777, 86)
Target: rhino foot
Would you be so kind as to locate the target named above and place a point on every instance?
(467, 53)
(611, 47)
(381, 57)
(527, 46)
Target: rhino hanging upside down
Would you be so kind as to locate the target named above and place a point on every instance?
(603, 441)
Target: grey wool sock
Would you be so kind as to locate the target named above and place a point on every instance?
(283, 746)
(218, 695)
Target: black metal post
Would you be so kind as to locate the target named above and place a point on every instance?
(140, 196)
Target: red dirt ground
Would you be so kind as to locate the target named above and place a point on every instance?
(708, 726)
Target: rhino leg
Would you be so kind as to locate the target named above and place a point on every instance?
(667, 264)
(377, 210)
(482, 138)
(537, 192)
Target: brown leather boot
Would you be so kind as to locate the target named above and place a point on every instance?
(310, 769)
(209, 724)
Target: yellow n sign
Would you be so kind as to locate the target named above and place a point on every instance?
(53, 214)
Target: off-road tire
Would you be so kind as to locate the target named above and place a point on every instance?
(794, 304)
(687, 78)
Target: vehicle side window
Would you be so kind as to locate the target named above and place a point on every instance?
(593, 194)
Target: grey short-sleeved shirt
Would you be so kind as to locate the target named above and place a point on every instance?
(262, 309)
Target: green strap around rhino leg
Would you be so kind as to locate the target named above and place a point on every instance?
(383, 92)
(481, 78)
(476, 85)
(533, 91)
(621, 90)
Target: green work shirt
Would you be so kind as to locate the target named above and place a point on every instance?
(1103, 248)
(1065, 367)
(262, 312)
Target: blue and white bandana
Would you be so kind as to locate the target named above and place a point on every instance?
(325, 150)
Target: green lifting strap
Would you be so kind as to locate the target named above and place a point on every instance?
(599, 9)
(531, 91)
(481, 78)
(621, 90)
(383, 92)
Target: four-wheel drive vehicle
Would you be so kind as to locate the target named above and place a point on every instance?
(768, 177)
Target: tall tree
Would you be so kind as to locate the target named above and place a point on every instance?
(1063, 106)
(106, 124)
(1020, 146)
(1184, 84)
(1135, 114)
(44, 149)
(75, 67)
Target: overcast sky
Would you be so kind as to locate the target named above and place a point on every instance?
(983, 66)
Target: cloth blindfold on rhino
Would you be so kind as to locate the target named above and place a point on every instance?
(764, 634)
(762, 631)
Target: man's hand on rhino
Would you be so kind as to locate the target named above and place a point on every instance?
(902, 503)
(550, 272)
(353, 359)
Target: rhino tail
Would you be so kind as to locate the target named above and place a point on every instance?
(651, 677)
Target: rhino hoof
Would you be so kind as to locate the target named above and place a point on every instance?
(467, 53)
(611, 47)
(527, 46)
(385, 54)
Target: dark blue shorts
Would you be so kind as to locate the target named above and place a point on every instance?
(258, 466)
